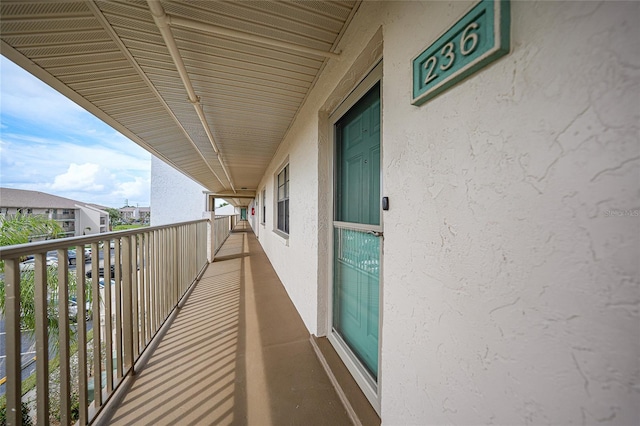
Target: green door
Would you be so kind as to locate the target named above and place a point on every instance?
(243, 213)
(357, 229)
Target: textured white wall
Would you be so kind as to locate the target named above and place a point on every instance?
(174, 197)
(295, 259)
(511, 297)
(510, 277)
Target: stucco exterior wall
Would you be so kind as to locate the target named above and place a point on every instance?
(510, 271)
(514, 298)
(174, 197)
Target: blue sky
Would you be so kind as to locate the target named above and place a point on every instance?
(50, 144)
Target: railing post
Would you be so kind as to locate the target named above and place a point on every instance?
(82, 340)
(12, 327)
(127, 309)
(42, 339)
(118, 299)
(64, 335)
(211, 235)
(97, 327)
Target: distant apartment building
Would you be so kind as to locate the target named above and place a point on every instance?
(135, 214)
(75, 217)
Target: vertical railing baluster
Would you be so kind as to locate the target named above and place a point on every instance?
(127, 323)
(164, 278)
(140, 277)
(176, 265)
(147, 280)
(159, 277)
(169, 272)
(134, 297)
(12, 329)
(97, 328)
(42, 338)
(180, 253)
(154, 267)
(152, 284)
(81, 322)
(193, 258)
(183, 261)
(108, 325)
(118, 306)
(144, 312)
(63, 333)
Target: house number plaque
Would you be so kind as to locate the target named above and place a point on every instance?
(477, 39)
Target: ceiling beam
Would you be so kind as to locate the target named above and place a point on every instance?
(97, 13)
(161, 20)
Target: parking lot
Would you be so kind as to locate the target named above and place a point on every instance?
(28, 342)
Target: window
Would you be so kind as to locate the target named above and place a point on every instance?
(264, 206)
(283, 200)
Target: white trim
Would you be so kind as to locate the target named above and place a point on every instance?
(285, 236)
(369, 386)
(358, 226)
(374, 76)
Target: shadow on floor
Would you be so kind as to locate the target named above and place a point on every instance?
(236, 353)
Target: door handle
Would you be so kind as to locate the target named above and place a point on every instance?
(375, 233)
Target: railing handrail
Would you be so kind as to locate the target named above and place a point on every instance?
(17, 250)
(152, 268)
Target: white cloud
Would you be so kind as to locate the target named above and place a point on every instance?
(50, 144)
(132, 190)
(78, 177)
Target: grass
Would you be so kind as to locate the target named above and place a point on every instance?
(125, 227)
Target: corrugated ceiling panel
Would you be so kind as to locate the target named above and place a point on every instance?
(234, 15)
(250, 92)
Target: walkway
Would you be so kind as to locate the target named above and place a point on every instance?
(236, 353)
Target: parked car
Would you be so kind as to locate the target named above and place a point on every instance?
(72, 256)
(101, 282)
(73, 305)
(73, 310)
(30, 264)
(89, 273)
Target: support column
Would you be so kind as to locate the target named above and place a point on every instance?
(211, 233)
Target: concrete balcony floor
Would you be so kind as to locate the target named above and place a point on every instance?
(236, 353)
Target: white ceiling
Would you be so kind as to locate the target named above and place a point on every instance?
(248, 67)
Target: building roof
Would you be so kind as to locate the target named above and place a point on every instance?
(21, 198)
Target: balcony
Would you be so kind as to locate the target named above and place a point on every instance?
(193, 342)
(63, 216)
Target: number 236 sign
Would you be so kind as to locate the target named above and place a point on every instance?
(477, 39)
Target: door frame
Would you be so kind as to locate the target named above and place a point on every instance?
(369, 386)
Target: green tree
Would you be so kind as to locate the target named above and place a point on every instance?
(114, 215)
(21, 229)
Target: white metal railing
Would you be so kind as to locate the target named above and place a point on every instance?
(137, 278)
(222, 228)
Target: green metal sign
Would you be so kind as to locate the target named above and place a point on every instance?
(477, 39)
